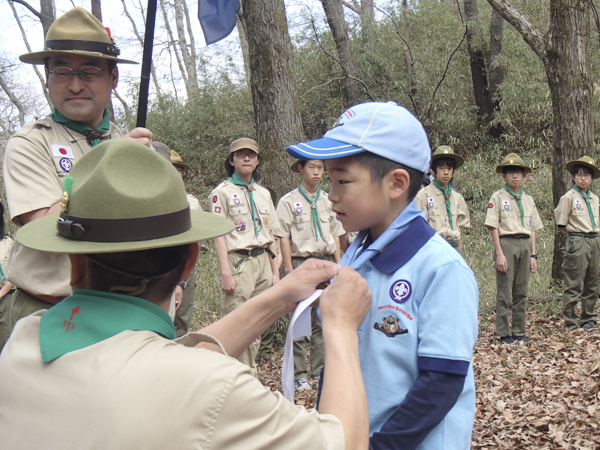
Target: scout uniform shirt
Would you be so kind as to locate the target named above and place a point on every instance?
(233, 202)
(37, 157)
(296, 223)
(432, 200)
(573, 213)
(503, 213)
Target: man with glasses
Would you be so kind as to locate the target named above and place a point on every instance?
(246, 256)
(80, 59)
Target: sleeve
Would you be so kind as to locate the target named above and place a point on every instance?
(464, 219)
(30, 176)
(336, 226)
(424, 407)
(285, 218)
(536, 220)
(492, 212)
(562, 211)
(421, 200)
(272, 421)
(218, 203)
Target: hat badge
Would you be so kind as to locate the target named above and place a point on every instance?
(511, 161)
(445, 151)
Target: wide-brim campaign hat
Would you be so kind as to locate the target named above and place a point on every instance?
(445, 151)
(77, 33)
(294, 166)
(177, 161)
(585, 161)
(513, 160)
(124, 197)
(244, 143)
(385, 129)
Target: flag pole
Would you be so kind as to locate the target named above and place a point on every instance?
(146, 64)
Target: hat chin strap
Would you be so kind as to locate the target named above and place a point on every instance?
(128, 290)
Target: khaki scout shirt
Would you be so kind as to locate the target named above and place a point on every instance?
(573, 213)
(432, 200)
(296, 224)
(6, 244)
(37, 158)
(193, 202)
(139, 390)
(503, 213)
(233, 202)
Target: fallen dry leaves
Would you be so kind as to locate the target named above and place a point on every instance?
(540, 395)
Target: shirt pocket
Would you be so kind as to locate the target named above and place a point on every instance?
(237, 210)
(579, 212)
(325, 217)
(301, 219)
(265, 215)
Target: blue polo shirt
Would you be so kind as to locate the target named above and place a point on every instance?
(423, 318)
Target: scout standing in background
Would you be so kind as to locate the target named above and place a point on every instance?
(307, 228)
(446, 209)
(513, 219)
(577, 214)
(246, 256)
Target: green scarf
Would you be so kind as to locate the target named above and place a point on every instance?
(518, 199)
(447, 193)
(94, 136)
(88, 317)
(313, 210)
(236, 179)
(588, 203)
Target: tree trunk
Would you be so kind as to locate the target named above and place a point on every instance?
(243, 44)
(334, 11)
(188, 60)
(477, 63)
(565, 53)
(276, 106)
(173, 47)
(46, 15)
(496, 70)
(97, 13)
(413, 90)
(367, 19)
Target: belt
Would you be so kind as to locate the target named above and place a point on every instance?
(586, 235)
(256, 251)
(304, 258)
(516, 236)
(44, 298)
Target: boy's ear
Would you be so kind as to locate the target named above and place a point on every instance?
(400, 182)
(504, 176)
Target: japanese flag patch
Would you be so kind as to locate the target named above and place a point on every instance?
(506, 205)
(577, 203)
(236, 198)
(298, 207)
(62, 151)
(430, 202)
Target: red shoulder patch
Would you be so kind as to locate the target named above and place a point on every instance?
(490, 205)
(215, 199)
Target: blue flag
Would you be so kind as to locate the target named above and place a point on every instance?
(217, 18)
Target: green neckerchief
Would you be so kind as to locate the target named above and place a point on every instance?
(94, 140)
(88, 317)
(518, 199)
(2, 276)
(447, 193)
(313, 210)
(236, 179)
(588, 203)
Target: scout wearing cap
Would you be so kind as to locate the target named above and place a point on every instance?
(131, 235)
(513, 220)
(80, 58)
(577, 215)
(307, 228)
(247, 255)
(445, 207)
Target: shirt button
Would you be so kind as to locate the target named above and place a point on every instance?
(367, 268)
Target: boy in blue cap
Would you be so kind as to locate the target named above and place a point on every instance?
(416, 343)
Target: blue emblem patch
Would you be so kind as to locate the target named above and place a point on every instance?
(400, 291)
(66, 164)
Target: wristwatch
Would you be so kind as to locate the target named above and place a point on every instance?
(183, 284)
(534, 256)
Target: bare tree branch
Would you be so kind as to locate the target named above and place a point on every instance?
(125, 105)
(14, 100)
(173, 44)
(29, 7)
(352, 7)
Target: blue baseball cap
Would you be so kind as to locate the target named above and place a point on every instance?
(385, 129)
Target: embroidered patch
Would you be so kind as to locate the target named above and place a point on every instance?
(69, 323)
(215, 199)
(266, 222)
(577, 203)
(506, 205)
(217, 209)
(62, 151)
(298, 207)
(390, 326)
(240, 225)
(66, 164)
(490, 205)
(236, 201)
(430, 202)
(400, 291)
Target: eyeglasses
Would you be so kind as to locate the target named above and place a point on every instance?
(88, 73)
(243, 155)
(583, 175)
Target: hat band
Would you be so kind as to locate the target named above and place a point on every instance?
(124, 230)
(86, 46)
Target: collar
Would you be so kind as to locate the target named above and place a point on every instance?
(404, 247)
(88, 317)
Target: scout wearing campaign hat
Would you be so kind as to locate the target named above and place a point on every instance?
(585, 161)
(115, 205)
(513, 160)
(77, 33)
(178, 162)
(445, 151)
(244, 143)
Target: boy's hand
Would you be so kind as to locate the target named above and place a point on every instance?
(346, 302)
(501, 263)
(533, 266)
(227, 283)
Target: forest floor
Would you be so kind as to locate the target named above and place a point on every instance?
(540, 395)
